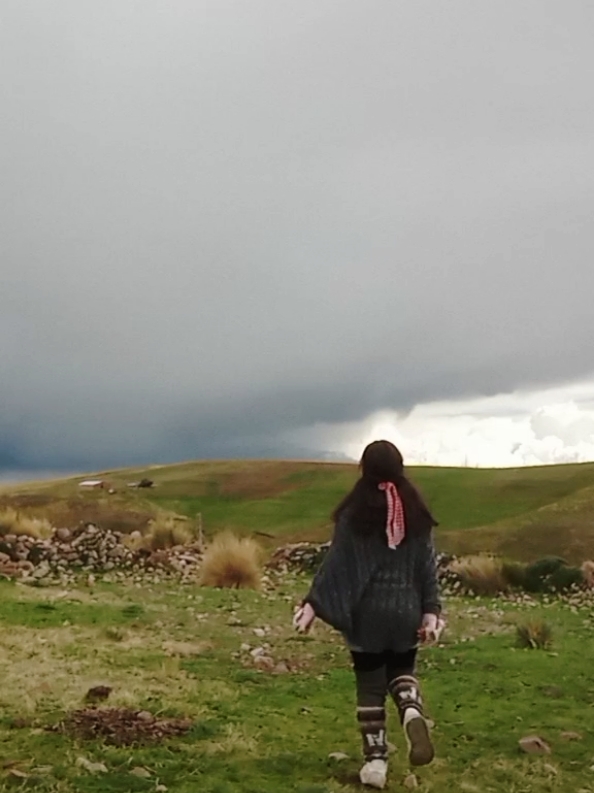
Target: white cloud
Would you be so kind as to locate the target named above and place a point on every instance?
(516, 429)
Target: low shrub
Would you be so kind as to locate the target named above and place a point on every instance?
(538, 572)
(566, 578)
(551, 574)
(514, 573)
(480, 575)
(534, 635)
(232, 562)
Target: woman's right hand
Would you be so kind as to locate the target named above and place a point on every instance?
(431, 629)
(304, 618)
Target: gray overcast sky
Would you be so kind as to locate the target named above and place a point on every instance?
(222, 220)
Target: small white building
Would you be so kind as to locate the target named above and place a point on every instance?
(92, 483)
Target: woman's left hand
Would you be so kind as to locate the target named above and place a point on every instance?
(304, 618)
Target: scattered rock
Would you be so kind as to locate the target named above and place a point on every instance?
(16, 773)
(553, 692)
(264, 662)
(20, 723)
(141, 772)
(186, 649)
(43, 770)
(571, 736)
(533, 744)
(92, 768)
(98, 694)
(411, 782)
(338, 756)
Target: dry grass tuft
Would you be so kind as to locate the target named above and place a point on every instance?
(235, 739)
(588, 573)
(481, 575)
(232, 562)
(166, 533)
(534, 635)
(13, 522)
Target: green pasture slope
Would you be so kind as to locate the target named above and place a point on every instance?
(523, 513)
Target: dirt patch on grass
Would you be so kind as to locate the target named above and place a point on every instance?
(569, 535)
(469, 621)
(120, 726)
(111, 514)
(238, 480)
(245, 480)
(26, 501)
(40, 670)
(264, 480)
(235, 738)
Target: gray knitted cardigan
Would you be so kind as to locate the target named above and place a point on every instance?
(373, 595)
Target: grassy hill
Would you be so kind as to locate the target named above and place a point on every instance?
(523, 513)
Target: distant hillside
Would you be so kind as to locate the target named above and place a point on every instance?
(524, 513)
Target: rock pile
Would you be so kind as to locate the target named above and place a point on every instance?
(92, 550)
(306, 557)
(88, 549)
(301, 557)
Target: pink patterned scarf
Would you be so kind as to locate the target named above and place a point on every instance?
(395, 525)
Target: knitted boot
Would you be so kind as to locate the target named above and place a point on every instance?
(372, 723)
(406, 694)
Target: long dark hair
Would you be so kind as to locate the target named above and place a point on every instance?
(366, 503)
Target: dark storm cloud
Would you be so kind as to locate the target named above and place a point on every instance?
(226, 219)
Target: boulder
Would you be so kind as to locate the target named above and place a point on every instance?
(533, 744)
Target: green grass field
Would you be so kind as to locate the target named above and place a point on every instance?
(177, 651)
(522, 513)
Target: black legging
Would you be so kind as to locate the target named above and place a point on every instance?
(375, 671)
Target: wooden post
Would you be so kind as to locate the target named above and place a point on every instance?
(200, 530)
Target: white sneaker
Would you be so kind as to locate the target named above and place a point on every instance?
(418, 737)
(374, 774)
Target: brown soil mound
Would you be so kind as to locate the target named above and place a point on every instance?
(121, 726)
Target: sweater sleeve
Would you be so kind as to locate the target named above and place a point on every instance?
(429, 581)
(329, 595)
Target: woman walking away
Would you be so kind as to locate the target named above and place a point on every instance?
(378, 587)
